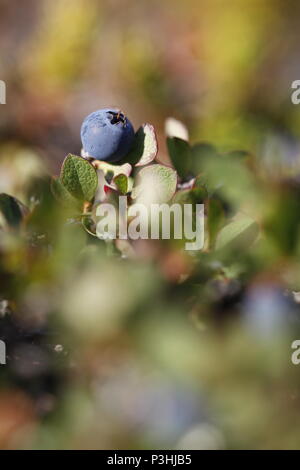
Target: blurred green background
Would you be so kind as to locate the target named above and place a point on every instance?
(165, 350)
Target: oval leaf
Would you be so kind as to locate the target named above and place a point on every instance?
(12, 210)
(215, 219)
(62, 194)
(155, 184)
(180, 154)
(145, 147)
(241, 230)
(79, 177)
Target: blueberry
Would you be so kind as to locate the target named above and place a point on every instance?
(107, 135)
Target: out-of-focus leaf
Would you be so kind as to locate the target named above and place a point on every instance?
(144, 148)
(215, 219)
(241, 230)
(200, 152)
(79, 177)
(12, 209)
(62, 194)
(155, 183)
(232, 179)
(200, 193)
(183, 196)
(241, 154)
(282, 222)
(180, 154)
(191, 196)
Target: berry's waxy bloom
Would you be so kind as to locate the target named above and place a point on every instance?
(106, 135)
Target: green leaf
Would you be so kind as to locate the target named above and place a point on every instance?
(121, 181)
(144, 148)
(282, 220)
(200, 193)
(239, 154)
(62, 194)
(215, 219)
(111, 171)
(241, 231)
(191, 196)
(12, 210)
(233, 180)
(201, 152)
(184, 196)
(155, 183)
(199, 181)
(180, 154)
(108, 176)
(79, 177)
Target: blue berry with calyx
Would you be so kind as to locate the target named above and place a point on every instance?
(106, 134)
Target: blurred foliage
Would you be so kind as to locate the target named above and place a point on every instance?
(144, 345)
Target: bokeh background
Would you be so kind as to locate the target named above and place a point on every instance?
(158, 351)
